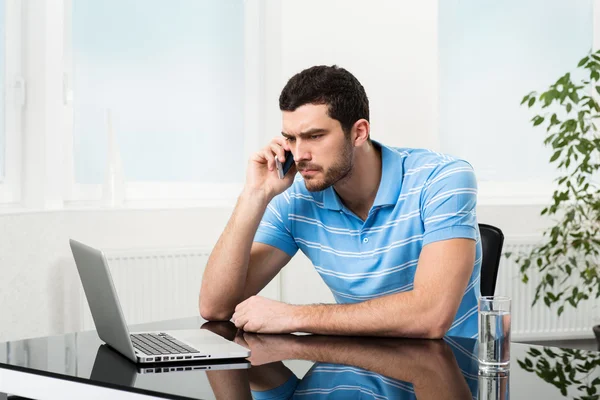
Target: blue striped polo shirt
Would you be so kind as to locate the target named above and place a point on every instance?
(423, 197)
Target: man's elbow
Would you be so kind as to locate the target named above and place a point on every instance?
(439, 326)
(436, 332)
(211, 313)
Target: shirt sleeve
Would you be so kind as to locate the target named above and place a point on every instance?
(448, 203)
(275, 227)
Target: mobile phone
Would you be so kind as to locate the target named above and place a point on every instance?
(282, 169)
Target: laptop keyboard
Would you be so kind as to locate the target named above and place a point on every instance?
(159, 344)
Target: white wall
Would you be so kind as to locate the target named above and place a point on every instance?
(390, 46)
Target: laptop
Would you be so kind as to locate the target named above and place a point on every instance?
(111, 367)
(141, 347)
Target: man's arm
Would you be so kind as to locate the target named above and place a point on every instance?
(238, 268)
(427, 311)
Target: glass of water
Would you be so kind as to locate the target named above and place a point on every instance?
(494, 332)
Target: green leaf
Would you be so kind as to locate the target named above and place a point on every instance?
(569, 107)
(538, 120)
(555, 156)
(574, 97)
(583, 61)
(525, 99)
(531, 101)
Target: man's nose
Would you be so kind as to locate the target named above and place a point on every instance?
(301, 152)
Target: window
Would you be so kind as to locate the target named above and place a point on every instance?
(12, 97)
(2, 89)
(491, 55)
(159, 97)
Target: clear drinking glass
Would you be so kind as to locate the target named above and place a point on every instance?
(494, 332)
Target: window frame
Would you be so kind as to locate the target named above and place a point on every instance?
(14, 101)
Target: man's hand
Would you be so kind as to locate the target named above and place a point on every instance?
(261, 315)
(261, 175)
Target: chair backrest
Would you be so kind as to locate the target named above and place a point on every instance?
(492, 240)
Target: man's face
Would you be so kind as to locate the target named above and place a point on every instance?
(322, 153)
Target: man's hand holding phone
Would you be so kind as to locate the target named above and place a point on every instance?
(269, 170)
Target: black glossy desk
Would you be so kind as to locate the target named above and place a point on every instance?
(76, 366)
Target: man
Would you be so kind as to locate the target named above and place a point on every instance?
(392, 232)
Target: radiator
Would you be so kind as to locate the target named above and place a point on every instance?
(539, 322)
(158, 284)
(163, 284)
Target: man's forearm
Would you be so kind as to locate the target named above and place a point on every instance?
(407, 314)
(224, 278)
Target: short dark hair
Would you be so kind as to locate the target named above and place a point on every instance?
(343, 94)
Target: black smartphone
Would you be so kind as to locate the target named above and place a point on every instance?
(282, 169)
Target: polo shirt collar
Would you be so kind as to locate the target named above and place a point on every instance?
(392, 173)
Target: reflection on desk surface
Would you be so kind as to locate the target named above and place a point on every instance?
(313, 366)
(351, 367)
(575, 373)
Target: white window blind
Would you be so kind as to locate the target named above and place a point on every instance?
(170, 77)
(491, 54)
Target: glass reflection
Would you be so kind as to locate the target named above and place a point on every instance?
(494, 385)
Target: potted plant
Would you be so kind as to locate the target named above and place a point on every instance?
(570, 112)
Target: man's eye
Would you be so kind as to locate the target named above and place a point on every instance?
(315, 136)
(289, 139)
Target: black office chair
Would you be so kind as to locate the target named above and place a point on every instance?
(492, 240)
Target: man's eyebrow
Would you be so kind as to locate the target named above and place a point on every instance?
(309, 132)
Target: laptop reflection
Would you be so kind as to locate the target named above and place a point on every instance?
(111, 367)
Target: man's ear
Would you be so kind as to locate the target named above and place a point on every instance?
(360, 132)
